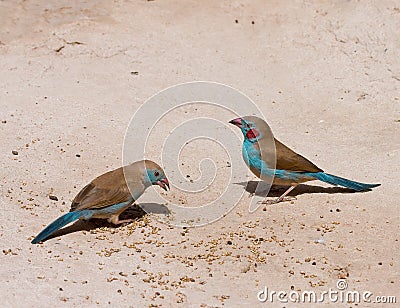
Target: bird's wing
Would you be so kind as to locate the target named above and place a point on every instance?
(107, 189)
(287, 159)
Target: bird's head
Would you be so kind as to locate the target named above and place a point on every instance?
(252, 127)
(156, 175)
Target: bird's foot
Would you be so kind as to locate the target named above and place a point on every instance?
(124, 221)
(277, 200)
(117, 221)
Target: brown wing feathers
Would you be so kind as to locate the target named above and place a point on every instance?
(108, 189)
(287, 159)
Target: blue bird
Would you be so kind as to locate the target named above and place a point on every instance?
(108, 195)
(280, 164)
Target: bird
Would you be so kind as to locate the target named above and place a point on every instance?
(281, 164)
(108, 195)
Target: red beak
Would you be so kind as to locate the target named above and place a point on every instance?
(164, 184)
(237, 122)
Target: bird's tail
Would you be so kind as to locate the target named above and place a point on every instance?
(57, 224)
(335, 180)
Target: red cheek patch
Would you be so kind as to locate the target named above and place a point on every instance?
(252, 133)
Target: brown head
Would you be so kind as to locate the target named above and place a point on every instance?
(156, 175)
(253, 128)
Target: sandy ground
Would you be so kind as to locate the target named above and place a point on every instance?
(327, 77)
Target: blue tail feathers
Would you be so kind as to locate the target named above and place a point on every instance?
(58, 224)
(335, 180)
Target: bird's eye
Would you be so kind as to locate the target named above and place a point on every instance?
(156, 173)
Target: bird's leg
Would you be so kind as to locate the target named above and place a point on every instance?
(124, 221)
(281, 198)
(116, 221)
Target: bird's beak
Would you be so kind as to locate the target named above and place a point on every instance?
(237, 122)
(164, 184)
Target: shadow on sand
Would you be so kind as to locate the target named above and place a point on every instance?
(135, 212)
(277, 191)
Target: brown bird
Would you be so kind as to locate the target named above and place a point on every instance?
(108, 195)
(281, 165)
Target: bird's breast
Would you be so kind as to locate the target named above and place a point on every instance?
(252, 158)
(251, 155)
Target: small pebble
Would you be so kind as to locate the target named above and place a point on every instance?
(14, 152)
(52, 197)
